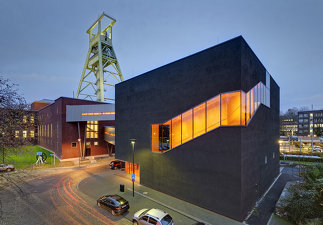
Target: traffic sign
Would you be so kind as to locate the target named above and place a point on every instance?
(133, 176)
(133, 180)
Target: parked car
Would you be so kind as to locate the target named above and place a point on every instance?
(7, 168)
(152, 216)
(317, 149)
(113, 203)
(117, 164)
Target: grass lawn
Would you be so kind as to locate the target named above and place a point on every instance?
(25, 156)
(278, 220)
(297, 161)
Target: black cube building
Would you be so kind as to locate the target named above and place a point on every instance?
(206, 128)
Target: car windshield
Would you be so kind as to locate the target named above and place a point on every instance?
(119, 200)
(144, 212)
(166, 220)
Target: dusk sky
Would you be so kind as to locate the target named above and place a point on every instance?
(44, 43)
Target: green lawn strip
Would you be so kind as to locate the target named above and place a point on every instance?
(279, 220)
(297, 162)
(25, 156)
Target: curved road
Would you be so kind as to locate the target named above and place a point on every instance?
(50, 196)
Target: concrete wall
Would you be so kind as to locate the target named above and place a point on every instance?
(211, 171)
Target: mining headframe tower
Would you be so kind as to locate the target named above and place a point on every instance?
(101, 69)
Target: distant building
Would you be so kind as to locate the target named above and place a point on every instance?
(27, 128)
(308, 121)
(74, 127)
(37, 105)
(288, 125)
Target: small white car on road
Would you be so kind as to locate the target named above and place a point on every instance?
(7, 168)
(152, 216)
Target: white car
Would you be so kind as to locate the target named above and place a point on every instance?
(8, 168)
(317, 149)
(152, 216)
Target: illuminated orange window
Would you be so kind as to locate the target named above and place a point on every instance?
(128, 168)
(252, 100)
(187, 126)
(176, 131)
(213, 113)
(199, 120)
(155, 137)
(243, 108)
(230, 108)
(234, 108)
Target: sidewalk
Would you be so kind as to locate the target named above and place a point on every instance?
(193, 212)
(267, 206)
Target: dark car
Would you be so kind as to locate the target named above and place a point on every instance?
(116, 164)
(113, 203)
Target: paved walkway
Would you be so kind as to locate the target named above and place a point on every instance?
(186, 209)
(267, 205)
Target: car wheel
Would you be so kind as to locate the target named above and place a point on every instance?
(8, 170)
(135, 222)
(114, 213)
(99, 204)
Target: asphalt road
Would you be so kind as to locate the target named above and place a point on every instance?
(68, 196)
(50, 196)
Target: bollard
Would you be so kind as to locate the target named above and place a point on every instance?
(121, 187)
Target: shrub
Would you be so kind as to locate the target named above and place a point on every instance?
(305, 201)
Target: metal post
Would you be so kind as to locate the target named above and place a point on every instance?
(133, 168)
(84, 145)
(133, 141)
(312, 141)
(79, 140)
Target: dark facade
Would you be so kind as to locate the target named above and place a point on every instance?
(226, 169)
(309, 121)
(62, 137)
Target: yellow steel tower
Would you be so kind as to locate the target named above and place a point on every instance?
(101, 61)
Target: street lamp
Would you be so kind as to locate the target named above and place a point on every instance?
(133, 141)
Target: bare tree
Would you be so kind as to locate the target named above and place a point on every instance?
(12, 111)
(291, 113)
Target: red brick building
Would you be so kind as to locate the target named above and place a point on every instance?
(82, 135)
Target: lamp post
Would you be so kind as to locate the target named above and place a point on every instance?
(133, 141)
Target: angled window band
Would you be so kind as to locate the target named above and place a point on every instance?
(234, 108)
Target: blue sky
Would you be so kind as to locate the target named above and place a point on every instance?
(43, 44)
